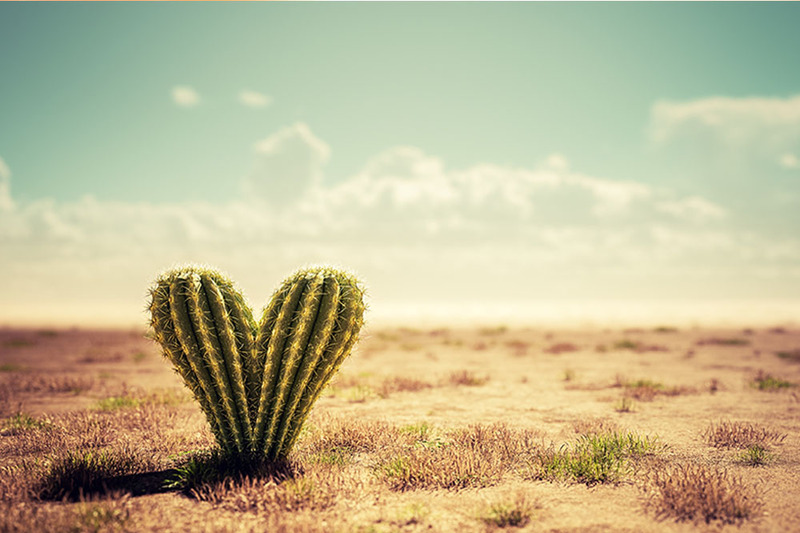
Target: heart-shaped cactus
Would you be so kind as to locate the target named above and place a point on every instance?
(256, 382)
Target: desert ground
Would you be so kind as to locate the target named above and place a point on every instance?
(448, 429)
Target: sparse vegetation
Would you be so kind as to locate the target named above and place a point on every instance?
(517, 512)
(723, 341)
(76, 474)
(625, 405)
(467, 378)
(756, 455)
(698, 493)
(727, 434)
(626, 344)
(769, 383)
(594, 458)
(561, 347)
(417, 454)
(646, 390)
(790, 355)
(22, 422)
(665, 329)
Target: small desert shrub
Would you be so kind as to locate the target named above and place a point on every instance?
(46, 383)
(447, 467)
(515, 513)
(18, 343)
(594, 458)
(626, 344)
(646, 390)
(22, 422)
(395, 384)
(518, 347)
(727, 434)
(420, 431)
(665, 329)
(315, 490)
(476, 456)
(766, 382)
(717, 341)
(117, 402)
(107, 515)
(466, 378)
(349, 437)
(561, 347)
(492, 331)
(497, 441)
(625, 405)
(791, 355)
(75, 474)
(755, 455)
(698, 493)
(10, 367)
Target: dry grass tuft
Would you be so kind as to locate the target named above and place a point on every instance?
(790, 355)
(645, 390)
(349, 437)
(315, 490)
(107, 515)
(697, 493)
(476, 456)
(718, 341)
(466, 378)
(727, 434)
(48, 384)
(395, 384)
(561, 347)
(447, 467)
(76, 474)
(517, 512)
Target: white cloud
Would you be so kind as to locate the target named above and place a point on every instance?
(6, 204)
(288, 164)
(185, 96)
(693, 208)
(790, 161)
(736, 121)
(254, 99)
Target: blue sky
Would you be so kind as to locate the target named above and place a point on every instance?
(533, 152)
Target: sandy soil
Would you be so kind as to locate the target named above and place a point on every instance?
(547, 380)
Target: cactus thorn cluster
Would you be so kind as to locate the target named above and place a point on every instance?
(256, 381)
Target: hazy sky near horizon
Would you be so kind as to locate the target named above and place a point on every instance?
(454, 154)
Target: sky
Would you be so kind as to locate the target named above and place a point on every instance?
(521, 162)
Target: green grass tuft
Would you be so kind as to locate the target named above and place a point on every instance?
(503, 514)
(767, 382)
(595, 458)
(755, 455)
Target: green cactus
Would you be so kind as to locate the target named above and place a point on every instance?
(256, 382)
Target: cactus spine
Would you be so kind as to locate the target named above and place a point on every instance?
(256, 382)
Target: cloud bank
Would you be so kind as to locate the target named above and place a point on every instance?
(414, 228)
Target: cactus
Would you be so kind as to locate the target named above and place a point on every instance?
(256, 382)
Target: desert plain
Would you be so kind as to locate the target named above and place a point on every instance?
(464, 429)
